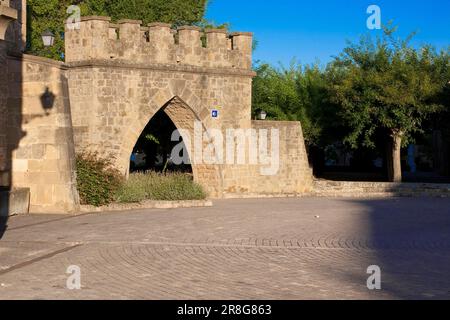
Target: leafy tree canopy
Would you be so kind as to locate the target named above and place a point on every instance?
(387, 84)
(374, 88)
(296, 93)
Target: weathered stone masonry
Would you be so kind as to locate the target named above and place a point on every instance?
(42, 151)
(36, 139)
(122, 74)
(116, 77)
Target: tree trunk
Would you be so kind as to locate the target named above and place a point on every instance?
(438, 152)
(394, 157)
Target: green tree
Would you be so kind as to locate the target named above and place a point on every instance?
(297, 93)
(385, 85)
(51, 15)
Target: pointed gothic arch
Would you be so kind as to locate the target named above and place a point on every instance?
(184, 119)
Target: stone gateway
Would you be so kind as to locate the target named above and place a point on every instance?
(115, 78)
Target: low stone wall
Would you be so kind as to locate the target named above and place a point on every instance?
(327, 188)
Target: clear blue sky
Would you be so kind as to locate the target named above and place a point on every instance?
(318, 29)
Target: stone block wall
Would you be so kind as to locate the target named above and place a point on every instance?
(8, 21)
(112, 102)
(121, 74)
(4, 161)
(8, 42)
(16, 30)
(116, 77)
(36, 138)
(294, 176)
(39, 133)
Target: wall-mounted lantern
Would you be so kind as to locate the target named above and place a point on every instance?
(262, 115)
(48, 38)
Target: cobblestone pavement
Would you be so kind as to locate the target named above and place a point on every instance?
(307, 248)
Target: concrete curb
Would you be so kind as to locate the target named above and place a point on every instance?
(148, 205)
(231, 196)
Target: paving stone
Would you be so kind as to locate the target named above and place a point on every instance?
(238, 249)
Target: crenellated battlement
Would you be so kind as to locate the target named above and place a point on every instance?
(99, 39)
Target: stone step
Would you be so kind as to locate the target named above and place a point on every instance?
(378, 189)
(14, 202)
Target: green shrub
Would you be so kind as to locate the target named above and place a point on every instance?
(157, 186)
(97, 180)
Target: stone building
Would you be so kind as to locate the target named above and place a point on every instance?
(115, 78)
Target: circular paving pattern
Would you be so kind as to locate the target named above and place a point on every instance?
(226, 253)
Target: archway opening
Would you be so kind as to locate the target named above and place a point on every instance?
(153, 149)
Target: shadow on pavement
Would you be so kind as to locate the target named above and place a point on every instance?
(3, 226)
(4, 210)
(410, 241)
